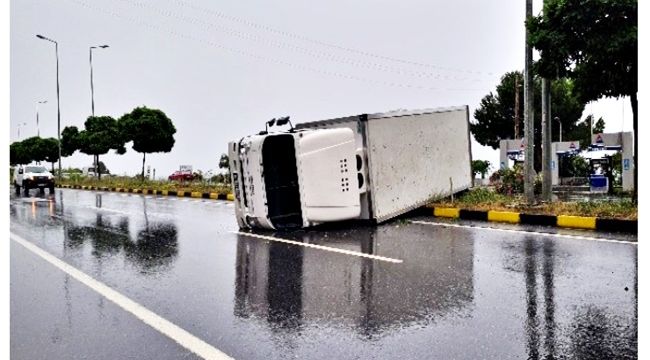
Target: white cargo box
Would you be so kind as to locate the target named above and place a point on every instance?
(408, 158)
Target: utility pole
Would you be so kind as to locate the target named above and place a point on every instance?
(516, 107)
(546, 141)
(529, 133)
(547, 133)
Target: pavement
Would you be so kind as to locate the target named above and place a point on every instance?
(97, 275)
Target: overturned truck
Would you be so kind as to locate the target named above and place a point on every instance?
(368, 167)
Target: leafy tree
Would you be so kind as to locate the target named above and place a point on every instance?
(101, 167)
(50, 148)
(18, 154)
(480, 167)
(34, 148)
(593, 42)
(149, 129)
(101, 134)
(69, 140)
(496, 113)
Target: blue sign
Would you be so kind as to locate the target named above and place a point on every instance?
(626, 164)
(552, 165)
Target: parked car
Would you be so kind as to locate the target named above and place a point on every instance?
(32, 177)
(179, 175)
(89, 171)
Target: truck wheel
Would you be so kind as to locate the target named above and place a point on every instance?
(25, 191)
(17, 188)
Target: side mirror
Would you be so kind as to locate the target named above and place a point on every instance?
(20, 170)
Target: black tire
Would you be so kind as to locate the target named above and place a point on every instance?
(25, 191)
(17, 188)
(51, 188)
(41, 190)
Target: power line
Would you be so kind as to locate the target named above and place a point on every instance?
(312, 53)
(262, 58)
(326, 44)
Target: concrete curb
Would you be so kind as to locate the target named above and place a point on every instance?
(565, 221)
(193, 194)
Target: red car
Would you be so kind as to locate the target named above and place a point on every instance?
(181, 176)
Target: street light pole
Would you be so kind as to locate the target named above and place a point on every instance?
(19, 125)
(92, 96)
(38, 131)
(92, 88)
(58, 102)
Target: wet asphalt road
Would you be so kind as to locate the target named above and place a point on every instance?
(437, 292)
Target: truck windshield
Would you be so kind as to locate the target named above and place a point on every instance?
(35, 169)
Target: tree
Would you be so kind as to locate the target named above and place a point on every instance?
(101, 134)
(496, 113)
(593, 42)
(480, 167)
(69, 140)
(18, 154)
(149, 129)
(34, 149)
(50, 148)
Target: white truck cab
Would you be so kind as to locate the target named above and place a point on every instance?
(31, 177)
(295, 179)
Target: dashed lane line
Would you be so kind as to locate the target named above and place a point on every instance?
(320, 247)
(164, 326)
(577, 237)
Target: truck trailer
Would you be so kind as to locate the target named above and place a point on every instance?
(368, 167)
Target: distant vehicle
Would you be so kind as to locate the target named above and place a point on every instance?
(32, 177)
(369, 167)
(179, 175)
(89, 171)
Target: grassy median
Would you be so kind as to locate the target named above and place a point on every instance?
(487, 199)
(132, 183)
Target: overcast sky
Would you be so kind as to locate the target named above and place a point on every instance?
(219, 69)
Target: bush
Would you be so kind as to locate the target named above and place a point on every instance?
(511, 181)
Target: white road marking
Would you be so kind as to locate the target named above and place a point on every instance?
(578, 237)
(171, 330)
(320, 247)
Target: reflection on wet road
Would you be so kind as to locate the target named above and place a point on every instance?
(457, 293)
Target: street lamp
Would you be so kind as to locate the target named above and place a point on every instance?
(19, 125)
(92, 89)
(58, 103)
(38, 131)
(558, 121)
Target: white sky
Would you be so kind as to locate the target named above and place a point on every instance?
(221, 69)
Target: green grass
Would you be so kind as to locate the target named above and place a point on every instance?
(132, 183)
(486, 199)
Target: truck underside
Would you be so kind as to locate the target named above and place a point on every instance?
(281, 182)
